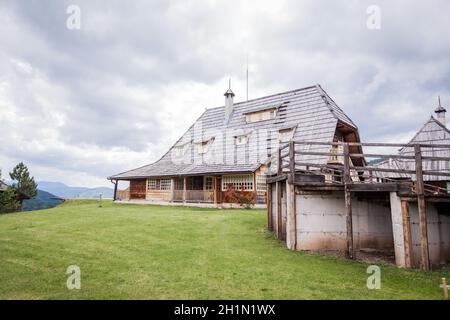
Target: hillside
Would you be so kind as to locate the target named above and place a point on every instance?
(43, 200)
(67, 192)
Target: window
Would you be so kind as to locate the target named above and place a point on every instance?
(241, 140)
(153, 184)
(261, 182)
(267, 114)
(203, 147)
(181, 150)
(179, 184)
(159, 184)
(166, 184)
(285, 135)
(238, 181)
(334, 157)
(209, 183)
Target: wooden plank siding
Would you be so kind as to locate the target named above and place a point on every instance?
(138, 188)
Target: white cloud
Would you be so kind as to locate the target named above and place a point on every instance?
(77, 106)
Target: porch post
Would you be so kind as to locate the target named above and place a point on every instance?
(184, 189)
(215, 190)
(115, 189)
(172, 189)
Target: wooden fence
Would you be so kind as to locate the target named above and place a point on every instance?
(327, 165)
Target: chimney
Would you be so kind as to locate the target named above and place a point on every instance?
(228, 102)
(440, 114)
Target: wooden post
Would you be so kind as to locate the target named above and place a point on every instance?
(407, 239)
(445, 287)
(172, 189)
(293, 217)
(215, 190)
(279, 217)
(115, 190)
(280, 170)
(292, 160)
(184, 189)
(348, 202)
(269, 207)
(424, 253)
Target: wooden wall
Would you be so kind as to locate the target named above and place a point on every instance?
(137, 188)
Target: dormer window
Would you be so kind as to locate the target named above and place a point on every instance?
(261, 115)
(203, 146)
(181, 149)
(241, 140)
(285, 135)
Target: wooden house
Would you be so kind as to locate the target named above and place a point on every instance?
(236, 145)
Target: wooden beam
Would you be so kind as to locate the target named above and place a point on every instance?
(407, 239)
(269, 207)
(374, 187)
(293, 217)
(280, 169)
(216, 190)
(348, 202)
(184, 189)
(172, 189)
(424, 252)
(292, 160)
(279, 217)
(276, 178)
(115, 189)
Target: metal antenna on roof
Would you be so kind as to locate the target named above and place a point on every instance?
(439, 99)
(229, 83)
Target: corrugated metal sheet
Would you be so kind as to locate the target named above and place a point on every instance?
(310, 110)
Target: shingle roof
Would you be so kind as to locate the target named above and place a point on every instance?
(314, 114)
(432, 132)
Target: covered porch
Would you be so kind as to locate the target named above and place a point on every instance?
(199, 189)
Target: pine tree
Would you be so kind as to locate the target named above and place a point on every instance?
(8, 200)
(23, 183)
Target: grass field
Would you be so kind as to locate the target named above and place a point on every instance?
(153, 252)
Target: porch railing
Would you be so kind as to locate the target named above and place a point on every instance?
(417, 163)
(193, 195)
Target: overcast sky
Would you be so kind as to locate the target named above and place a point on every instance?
(78, 105)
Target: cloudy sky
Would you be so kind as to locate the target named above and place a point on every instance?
(78, 105)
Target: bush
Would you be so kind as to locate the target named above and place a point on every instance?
(245, 199)
(8, 201)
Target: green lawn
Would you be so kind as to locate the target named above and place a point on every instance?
(154, 252)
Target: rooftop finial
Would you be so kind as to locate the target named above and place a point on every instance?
(440, 112)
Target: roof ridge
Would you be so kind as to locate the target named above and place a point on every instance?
(332, 104)
(268, 96)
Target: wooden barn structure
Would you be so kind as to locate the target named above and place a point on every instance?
(399, 203)
(236, 146)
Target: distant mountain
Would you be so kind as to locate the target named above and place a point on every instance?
(63, 191)
(43, 200)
